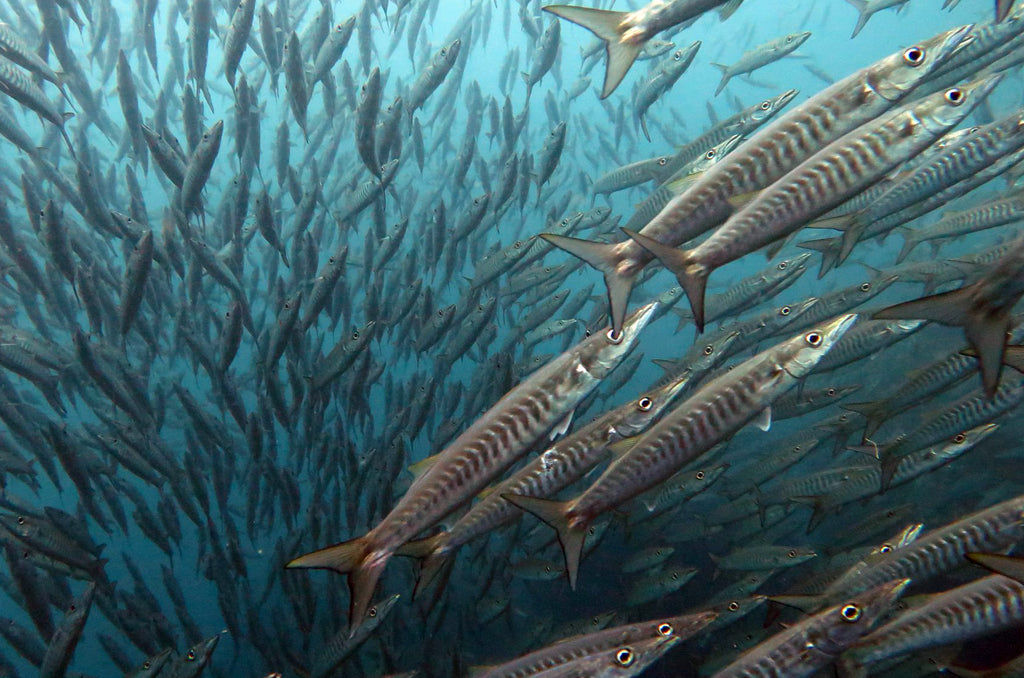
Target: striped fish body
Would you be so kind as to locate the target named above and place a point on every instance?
(816, 642)
(573, 649)
(629, 175)
(979, 608)
(653, 204)
(833, 174)
(799, 134)
(565, 462)
(717, 410)
(494, 441)
(742, 124)
(942, 549)
(958, 162)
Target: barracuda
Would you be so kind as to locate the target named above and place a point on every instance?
(840, 170)
(557, 467)
(940, 550)
(713, 413)
(571, 650)
(689, 173)
(495, 440)
(766, 157)
(957, 163)
(981, 607)
(818, 641)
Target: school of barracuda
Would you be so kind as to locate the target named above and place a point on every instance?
(291, 286)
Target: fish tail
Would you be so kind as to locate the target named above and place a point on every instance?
(805, 603)
(643, 126)
(692, 277)
(869, 410)
(1003, 8)
(909, 243)
(607, 25)
(435, 559)
(1008, 566)
(605, 258)
(861, 6)
(437, 565)
(818, 511)
(726, 76)
(985, 330)
(829, 248)
(570, 535)
(355, 557)
(851, 236)
(849, 667)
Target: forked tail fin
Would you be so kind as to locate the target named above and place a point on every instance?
(605, 258)
(862, 7)
(726, 76)
(693, 279)
(1008, 566)
(607, 25)
(986, 331)
(359, 561)
(570, 536)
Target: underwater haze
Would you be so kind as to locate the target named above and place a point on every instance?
(387, 338)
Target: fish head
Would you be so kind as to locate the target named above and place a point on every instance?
(630, 659)
(804, 351)
(895, 75)
(639, 414)
(794, 40)
(769, 107)
(944, 109)
(602, 352)
(964, 441)
(854, 617)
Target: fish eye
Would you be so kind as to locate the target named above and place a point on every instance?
(765, 105)
(710, 155)
(782, 265)
(587, 333)
(624, 657)
(785, 310)
(517, 244)
(355, 335)
(850, 612)
(592, 531)
(885, 548)
(145, 665)
(789, 38)
(21, 520)
(813, 338)
(678, 55)
(959, 438)
(955, 96)
(444, 50)
(644, 404)
(191, 655)
(565, 222)
(372, 612)
(662, 161)
(613, 337)
(709, 349)
(913, 56)
(700, 475)
(733, 606)
(792, 553)
(831, 392)
(864, 287)
(665, 629)
(72, 608)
